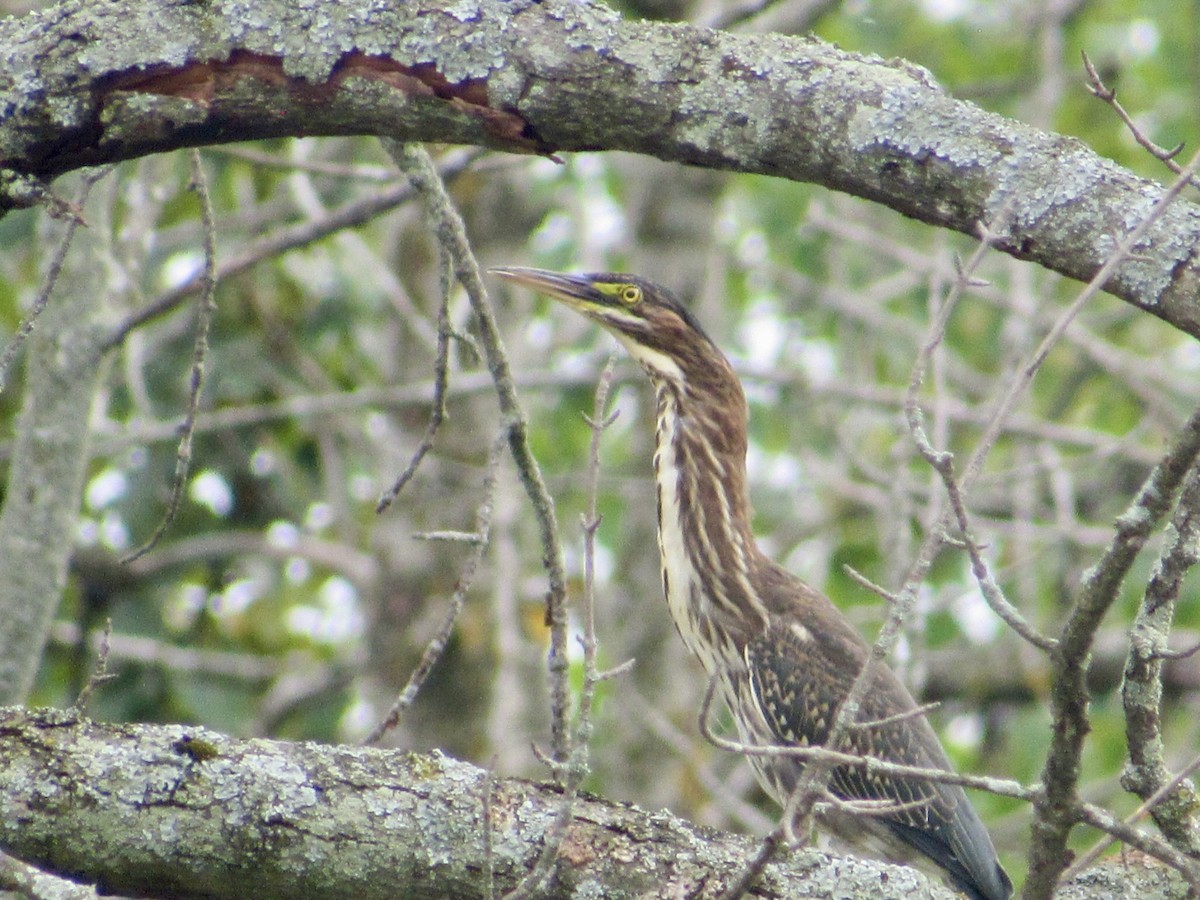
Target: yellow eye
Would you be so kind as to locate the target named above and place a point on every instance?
(630, 294)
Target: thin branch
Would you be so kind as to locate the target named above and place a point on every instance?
(1084, 862)
(1147, 843)
(377, 174)
(489, 856)
(816, 774)
(451, 233)
(204, 315)
(1109, 95)
(1147, 773)
(599, 423)
(1175, 655)
(1056, 806)
(146, 651)
(768, 848)
(436, 646)
(577, 767)
(915, 713)
(350, 215)
(1019, 384)
(100, 674)
(452, 537)
(942, 462)
(441, 365)
(863, 581)
(723, 793)
(872, 764)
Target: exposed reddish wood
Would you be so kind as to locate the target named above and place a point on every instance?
(202, 82)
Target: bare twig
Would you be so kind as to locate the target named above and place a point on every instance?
(301, 406)
(1056, 807)
(1170, 655)
(816, 774)
(377, 174)
(453, 537)
(863, 581)
(451, 233)
(204, 315)
(1109, 95)
(722, 791)
(1084, 861)
(598, 422)
(1104, 820)
(915, 713)
(577, 768)
(768, 848)
(489, 859)
(943, 462)
(436, 645)
(145, 651)
(99, 674)
(1017, 387)
(1055, 804)
(351, 215)
(872, 764)
(440, 378)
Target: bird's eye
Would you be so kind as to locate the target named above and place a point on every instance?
(630, 294)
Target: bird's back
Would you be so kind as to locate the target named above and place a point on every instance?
(799, 669)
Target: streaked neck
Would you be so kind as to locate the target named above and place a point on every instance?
(708, 551)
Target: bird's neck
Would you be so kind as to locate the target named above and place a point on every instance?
(708, 552)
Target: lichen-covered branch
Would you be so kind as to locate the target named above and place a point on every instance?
(175, 811)
(87, 83)
(1057, 808)
(1176, 810)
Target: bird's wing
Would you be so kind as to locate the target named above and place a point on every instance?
(799, 676)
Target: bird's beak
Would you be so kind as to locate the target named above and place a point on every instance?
(574, 290)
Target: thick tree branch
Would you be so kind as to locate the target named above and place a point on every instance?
(173, 811)
(89, 83)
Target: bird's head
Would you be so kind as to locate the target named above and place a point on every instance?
(657, 330)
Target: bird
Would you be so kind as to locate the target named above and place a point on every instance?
(778, 651)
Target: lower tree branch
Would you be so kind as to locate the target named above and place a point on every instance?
(175, 811)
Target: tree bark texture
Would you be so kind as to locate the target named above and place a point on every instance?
(175, 811)
(40, 511)
(84, 83)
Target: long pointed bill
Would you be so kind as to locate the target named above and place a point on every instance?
(574, 290)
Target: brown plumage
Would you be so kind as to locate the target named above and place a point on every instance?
(783, 656)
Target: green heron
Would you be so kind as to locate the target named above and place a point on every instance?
(782, 656)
